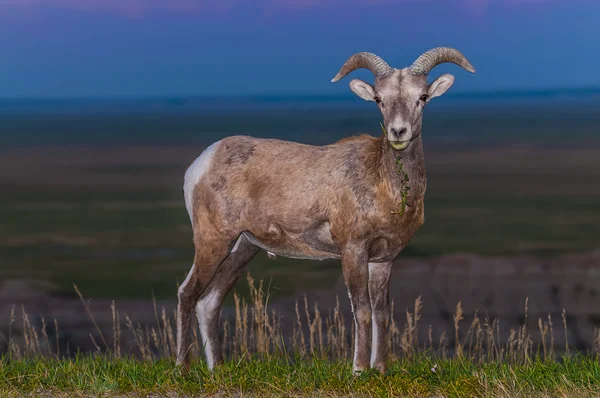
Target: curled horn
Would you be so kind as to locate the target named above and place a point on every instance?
(363, 60)
(426, 62)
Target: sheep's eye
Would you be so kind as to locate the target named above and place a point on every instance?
(424, 97)
(378, 100)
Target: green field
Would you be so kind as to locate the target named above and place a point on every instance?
(87, 376)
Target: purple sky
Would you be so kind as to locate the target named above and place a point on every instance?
(141, 8)
(81, 48)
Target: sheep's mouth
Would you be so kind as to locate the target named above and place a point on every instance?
(399, 145)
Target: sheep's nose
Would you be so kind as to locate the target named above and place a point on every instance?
(399, 133)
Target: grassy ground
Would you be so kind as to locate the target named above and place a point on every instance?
(120, 213)
(312, 358)
(423, 377)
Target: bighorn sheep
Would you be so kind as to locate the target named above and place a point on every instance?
(338, 201)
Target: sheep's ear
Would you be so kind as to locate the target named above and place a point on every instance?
(363, 90)
(440, 85)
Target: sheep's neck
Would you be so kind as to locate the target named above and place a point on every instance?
(406, 168)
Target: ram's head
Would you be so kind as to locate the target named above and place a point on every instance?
(401, 94)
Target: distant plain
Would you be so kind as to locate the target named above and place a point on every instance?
(91, 191)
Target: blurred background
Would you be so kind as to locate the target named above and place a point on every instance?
(104, 104)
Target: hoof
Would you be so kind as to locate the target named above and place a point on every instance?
(380, 367)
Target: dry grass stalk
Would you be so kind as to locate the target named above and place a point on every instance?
(170, 335)
(87, 309)
(116, 331)
(475, 340)
(140, 341)
(409, 340)
(524, 342)
(458, 316)
(334, 342)
(196, 348)
(564, 317)
(394, 332)
(96, 346)
(416, 318)
(25, 330)
(311, 328)
(158, 334)
(11, 321)
(442, 346)
(57, 334)
(258, 332)
(315, 330)
(543, 327)
(406, 340)
(225, 342)
(513, 340)
(596, 343)
(479, 342)
(45, 336)
(490, 341)
(299, 342)
(319, 331)
(551, 337)
(430, 337)
(241, 326)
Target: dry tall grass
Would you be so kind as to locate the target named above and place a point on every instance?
(256, 332)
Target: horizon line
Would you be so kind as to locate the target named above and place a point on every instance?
(524, 92)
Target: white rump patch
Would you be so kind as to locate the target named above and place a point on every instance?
(193, 174)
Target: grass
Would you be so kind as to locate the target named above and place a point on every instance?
(422, 377)
(266, 357)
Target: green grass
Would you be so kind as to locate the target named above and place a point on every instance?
(276, 377)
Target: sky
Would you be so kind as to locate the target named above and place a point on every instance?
(150, 48)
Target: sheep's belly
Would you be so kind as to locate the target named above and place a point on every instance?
(315, 243)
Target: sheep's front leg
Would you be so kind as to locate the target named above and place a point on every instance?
(379, 288)
(356, 274)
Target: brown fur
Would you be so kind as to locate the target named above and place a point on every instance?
(347, 184)
(314, 202)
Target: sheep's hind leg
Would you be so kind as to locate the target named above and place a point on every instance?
(209, 307)
(208, 258)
